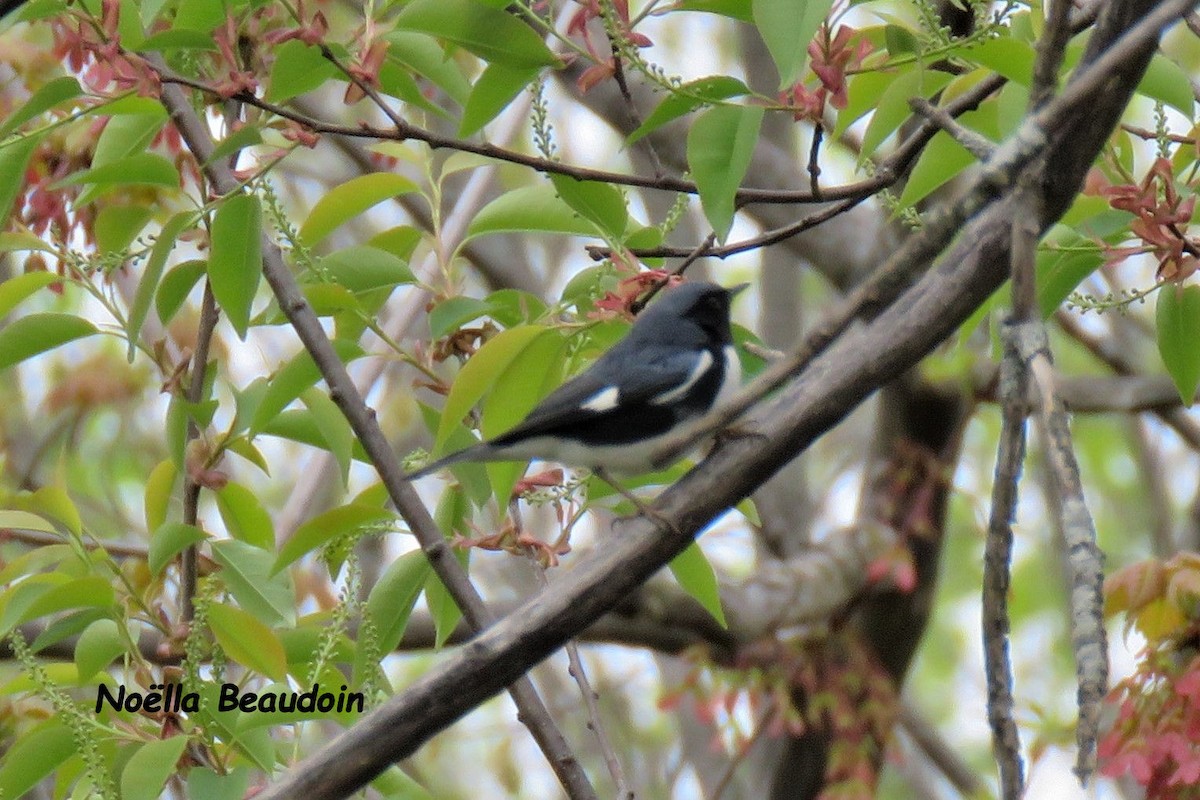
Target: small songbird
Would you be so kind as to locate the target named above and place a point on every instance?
(676, 363)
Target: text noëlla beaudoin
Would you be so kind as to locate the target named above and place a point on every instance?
(171, 697)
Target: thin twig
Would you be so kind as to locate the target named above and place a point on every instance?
(997, 560)
(577, 672)
(191, 489)
(407, 131)
(43, 539)
(977, 145)
(739, 758)
(695, 255)
(814, 165)
(754, 243)
(634, 117)
(940, 752)
(1152, 136)
(596, 725)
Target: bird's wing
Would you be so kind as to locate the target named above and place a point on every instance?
(653, 373)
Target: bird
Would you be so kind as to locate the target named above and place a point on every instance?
(676, 363)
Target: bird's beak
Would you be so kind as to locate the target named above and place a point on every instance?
(734, 290)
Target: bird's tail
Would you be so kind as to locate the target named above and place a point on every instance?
(479, 452)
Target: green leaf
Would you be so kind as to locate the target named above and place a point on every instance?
(151, 276)
(333, 427)
(242, 447)
(247, 573)
(298, 68)
(734, 9)
(148, 769)
(34, 754)
(696, 577)
(244, 517)
(170, 539)
(16, 601)
(54, 503)
(532, 374)
(97, 647)
(14, 158)
(293, 378)
(495, 36)
(900, 40)
(492, 93)
(70, 624)
(862, 95)
(326, 527)
(21, 241)
(786, 27)
(235, 142)
(393, 596)
(1007, 56)
(400, 241)
(1178, 328)
(247, 641)
(246, 401)
(1059, 277)
(395, 81)
(235, 261)
(157, 497)
(361, 268)
(446, 614)
(206, 783)
(531, 208)
(348, 200)
(719, 148)
(47, 97)
(16, 289)
(128, 104)
(90, 591)
(511, 307)
(298, 425)
(177, 39)
(199, 15)
(129, 24)
(175, 287)
(893, 109)
(942, 159)
(599, 202)
(24, 520)
(37, 333)
(687, 98)
(126, 135)
(480, 373)
(453, 313)
(143, 169)
(118, 225)
(425, 57)
(1167, 82)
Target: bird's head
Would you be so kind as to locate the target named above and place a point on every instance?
(698, 308)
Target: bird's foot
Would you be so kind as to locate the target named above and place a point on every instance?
(642, 509)
(737, 430)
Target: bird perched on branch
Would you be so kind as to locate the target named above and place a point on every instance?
(676, 363)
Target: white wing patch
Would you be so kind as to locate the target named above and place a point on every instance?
(703, 364)
(603, 400)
